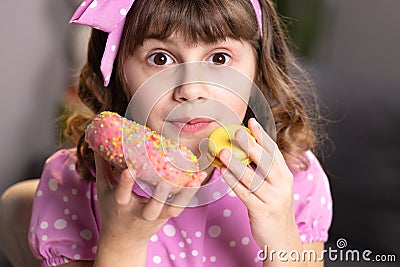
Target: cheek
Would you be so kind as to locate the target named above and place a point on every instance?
(144, 105)
(155, 116)
(153, 119)
(238, 104)
(240, 107)
(134, 74)
(133, 83)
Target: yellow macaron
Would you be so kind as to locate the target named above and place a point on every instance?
(224, 137)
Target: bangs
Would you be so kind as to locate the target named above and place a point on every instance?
(195, 21)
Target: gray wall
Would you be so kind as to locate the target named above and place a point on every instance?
(356, 68)
(36, 66)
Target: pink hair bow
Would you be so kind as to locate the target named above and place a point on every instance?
(109, 16)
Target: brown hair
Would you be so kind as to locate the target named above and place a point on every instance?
(207, 21)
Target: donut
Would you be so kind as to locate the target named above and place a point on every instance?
(127, 144)
(224, 137)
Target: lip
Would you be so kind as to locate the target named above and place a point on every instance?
(191, 125)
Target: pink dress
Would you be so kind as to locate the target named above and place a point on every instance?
(66, 221)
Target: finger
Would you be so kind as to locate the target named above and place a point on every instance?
(154, 207)
(279, 168)
(261, 136)
(123, 189)
(261, 157)
(265, 194)
(276, 163)
(247, 176)
(245, 195)
(103, 171)
(182, 198)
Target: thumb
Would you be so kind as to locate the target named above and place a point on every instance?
(123, 189)
(103, 174)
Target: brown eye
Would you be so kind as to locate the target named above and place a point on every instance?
(219, 58)
(160, 59)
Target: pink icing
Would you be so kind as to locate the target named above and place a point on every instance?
(125, 143)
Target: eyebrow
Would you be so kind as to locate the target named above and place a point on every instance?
(168, 40)
(172, 41)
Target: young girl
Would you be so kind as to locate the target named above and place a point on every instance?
(82, 216)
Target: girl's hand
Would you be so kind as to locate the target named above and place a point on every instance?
(266, 191)
(131, 219)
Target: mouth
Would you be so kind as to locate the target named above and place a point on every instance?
(191, 125)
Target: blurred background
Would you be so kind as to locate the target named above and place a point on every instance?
(350, 48)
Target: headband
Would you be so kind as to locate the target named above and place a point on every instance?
(109, 16)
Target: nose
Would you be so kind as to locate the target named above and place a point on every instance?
(192, 85)
(191, 91)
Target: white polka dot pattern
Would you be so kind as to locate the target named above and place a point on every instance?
(154, 238)
(53, 184)
(157, 259)
(86, 234)
(123, 12)
(214, 231)
(93, 4)
(169, 230)
(245, 240)
(201, 236)
(72, 167)
(60, 224)
(227, 212)
(216, 195)
(44, 225)
(183, 233)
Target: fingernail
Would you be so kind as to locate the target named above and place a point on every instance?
(225, 153)
(241, 134)
(254, 122)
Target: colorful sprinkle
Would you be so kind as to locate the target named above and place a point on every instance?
(150, 154)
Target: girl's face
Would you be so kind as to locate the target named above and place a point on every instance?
(157, 55)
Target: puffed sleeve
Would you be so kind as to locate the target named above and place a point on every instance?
(64, 224)
(312, 202)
